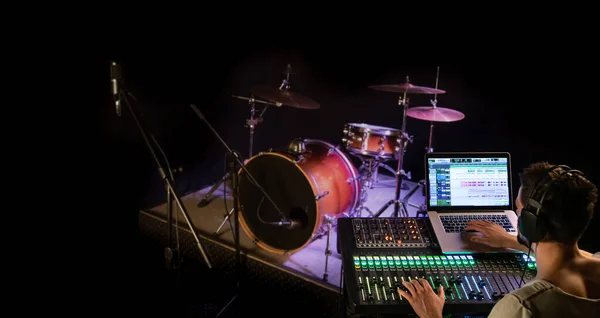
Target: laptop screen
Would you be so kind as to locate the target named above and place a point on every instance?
(468, 181)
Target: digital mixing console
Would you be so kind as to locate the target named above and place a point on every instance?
(380, 253)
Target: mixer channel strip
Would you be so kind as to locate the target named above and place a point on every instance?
(392, 233)
(466, 279)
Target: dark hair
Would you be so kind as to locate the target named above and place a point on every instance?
(569, 203)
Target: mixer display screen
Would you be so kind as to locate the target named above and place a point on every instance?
(392, 232)
(472, 283)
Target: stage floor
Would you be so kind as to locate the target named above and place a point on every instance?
(307, 263)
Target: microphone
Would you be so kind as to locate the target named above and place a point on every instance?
(291, 224)
(115, 78)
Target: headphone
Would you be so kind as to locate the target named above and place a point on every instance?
(531, 228)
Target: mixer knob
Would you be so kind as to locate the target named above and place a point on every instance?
(496, 295)
(481, 283)
(448, 291)
(480, 296)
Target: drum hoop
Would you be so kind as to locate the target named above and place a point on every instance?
(252, 235)
(349, 164)
(386, 131)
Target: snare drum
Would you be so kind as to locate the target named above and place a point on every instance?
(306, 187)
(371, 140)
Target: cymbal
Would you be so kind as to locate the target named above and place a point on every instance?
(285, 97)
(407, 88)
(439, 114)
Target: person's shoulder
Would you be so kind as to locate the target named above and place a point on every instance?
(532, 289)
(517, 303)
(509, 306)
(597, 254)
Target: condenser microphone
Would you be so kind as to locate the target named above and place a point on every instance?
(115, 78)
(290, 224)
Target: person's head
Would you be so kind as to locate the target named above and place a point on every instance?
(568, 205)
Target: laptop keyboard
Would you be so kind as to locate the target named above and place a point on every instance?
(457, 223)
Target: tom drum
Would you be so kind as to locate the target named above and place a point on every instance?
(322, 181)
(371, 140)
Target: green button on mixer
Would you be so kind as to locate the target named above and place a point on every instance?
(377, 261)
(444, 260)
(384, 262)
(370, 262)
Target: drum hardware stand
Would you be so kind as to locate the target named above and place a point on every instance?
(251, 123)
(328, 246)
(367, 183)
(235, 159)
(422, 209)
(331, 223)
(166, 175)
(400, 174)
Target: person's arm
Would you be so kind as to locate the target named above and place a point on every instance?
(514, 244)
(494, 235)
(510, 307)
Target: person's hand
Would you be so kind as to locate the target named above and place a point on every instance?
(493, 234)
(421, 297)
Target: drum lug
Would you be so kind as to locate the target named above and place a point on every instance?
(352, 180)
(320, 196)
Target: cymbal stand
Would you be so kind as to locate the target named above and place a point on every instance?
(251, 123)
(403, 102)
(422, 209)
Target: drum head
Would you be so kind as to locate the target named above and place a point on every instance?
(290, 189)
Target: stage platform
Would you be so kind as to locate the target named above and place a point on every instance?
(304, 269)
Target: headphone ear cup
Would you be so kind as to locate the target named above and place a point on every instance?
(529, 227)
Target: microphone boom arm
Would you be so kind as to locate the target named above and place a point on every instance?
(239, 162)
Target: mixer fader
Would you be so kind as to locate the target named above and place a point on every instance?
(375, 267)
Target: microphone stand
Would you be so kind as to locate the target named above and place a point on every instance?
(234, 158)
(170, 253)
(251, 124)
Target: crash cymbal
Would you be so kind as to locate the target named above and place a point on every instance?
(407, 88)
(285, 97)
(439, 114)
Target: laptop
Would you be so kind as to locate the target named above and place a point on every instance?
(464, 186)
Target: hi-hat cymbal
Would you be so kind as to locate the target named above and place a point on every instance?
(407, 88)
(285, 97)
(439, 114)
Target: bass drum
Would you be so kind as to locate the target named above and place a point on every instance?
(320, 182)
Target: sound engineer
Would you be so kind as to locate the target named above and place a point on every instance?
(568, 279)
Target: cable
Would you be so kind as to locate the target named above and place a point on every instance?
(521, 281)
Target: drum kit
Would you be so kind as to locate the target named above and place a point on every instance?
(315, 181)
